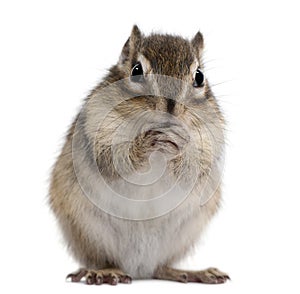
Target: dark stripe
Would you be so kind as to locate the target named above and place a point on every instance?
(170, 105)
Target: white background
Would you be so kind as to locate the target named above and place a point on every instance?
(54, 52)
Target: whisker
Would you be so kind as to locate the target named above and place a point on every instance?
(220, 83)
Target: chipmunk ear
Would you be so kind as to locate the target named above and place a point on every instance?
(198, 44)
(132, 45)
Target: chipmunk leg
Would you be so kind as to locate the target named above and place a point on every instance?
(207, 276)
(110, 276)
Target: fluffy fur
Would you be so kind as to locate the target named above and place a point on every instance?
(139, 247)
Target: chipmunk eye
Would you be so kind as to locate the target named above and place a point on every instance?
(137, 73)
(199, 78)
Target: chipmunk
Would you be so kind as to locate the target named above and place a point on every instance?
(152, 124)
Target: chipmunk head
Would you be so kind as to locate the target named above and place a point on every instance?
(158, 84)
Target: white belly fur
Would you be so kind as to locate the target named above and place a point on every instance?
(139, 247)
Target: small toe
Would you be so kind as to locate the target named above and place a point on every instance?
(112, 279)
(90, 278)
(99, 279)
(126, 279)
(220, 277)
(77, 276)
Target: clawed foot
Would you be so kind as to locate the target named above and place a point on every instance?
(98, 277)
(208, 276)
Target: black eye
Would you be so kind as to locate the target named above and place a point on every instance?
(199, 78)
(137, 73)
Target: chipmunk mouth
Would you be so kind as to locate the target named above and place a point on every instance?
(152, 133)
(165, 140)
(173, 144)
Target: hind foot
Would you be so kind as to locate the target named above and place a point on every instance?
(109, 276)
(208, 276)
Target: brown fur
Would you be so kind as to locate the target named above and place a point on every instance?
(168, 56)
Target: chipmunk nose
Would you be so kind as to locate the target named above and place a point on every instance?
(170, 106)
(169, 90)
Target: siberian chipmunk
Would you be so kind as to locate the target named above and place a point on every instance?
(138, 178)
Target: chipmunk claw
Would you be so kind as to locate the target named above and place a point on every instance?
(99, 277)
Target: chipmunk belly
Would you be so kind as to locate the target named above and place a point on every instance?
(143, 246)
(139, 247)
